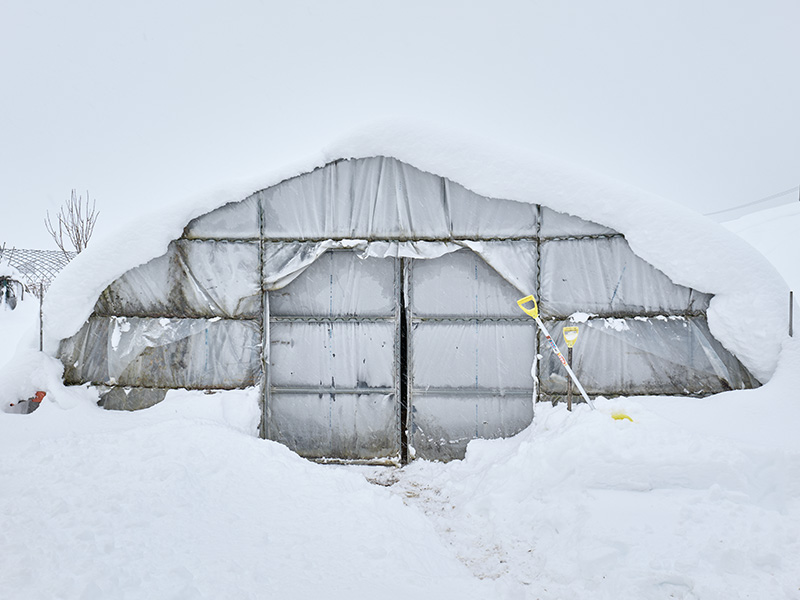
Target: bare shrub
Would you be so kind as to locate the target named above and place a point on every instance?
(74, 223)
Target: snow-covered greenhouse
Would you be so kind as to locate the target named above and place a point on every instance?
(373, 304)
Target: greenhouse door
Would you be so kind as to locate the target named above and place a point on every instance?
(334, 360)
(385, 359)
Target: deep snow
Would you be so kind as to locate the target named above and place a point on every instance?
(695, 499)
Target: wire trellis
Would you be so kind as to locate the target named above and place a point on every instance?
(38, 268)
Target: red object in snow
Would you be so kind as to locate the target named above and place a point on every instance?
(38, 397)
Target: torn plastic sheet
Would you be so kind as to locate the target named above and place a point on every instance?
(327, 288)
(193, 279)
(148, 352)
(515, 261)
(642, 356)
(484, 281)
(603, 276)
(352, 426)
(442, 426)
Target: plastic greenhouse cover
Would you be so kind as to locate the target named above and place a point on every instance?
(356, 426)
(349, 355)
(480, 283)
(233, 221)
(603, 276)
(150, 352)
(384, 198)
(193, 279)
(661, 355)
(442, 426)
(559, 224)
(514, 260)
(480, 355)
(327, 288)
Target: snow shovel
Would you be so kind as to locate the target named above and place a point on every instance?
(534, 312)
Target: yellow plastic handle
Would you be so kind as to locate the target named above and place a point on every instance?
(533, 312)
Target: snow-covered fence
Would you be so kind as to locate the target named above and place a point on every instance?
(36, 268)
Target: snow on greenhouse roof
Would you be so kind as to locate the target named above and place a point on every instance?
(747, 314)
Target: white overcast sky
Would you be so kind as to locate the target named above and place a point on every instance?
(146, 102)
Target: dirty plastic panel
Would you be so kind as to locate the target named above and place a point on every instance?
(558, 224)
(381, 197)
(476, 217)
(605, 277)
(659, 355)
(442, 426)
(477, 355)
(131, 398)
(233, 221)
(172, 353)
(193, 279)
(364, 198)
(351, 426)
(463, 284)
(339, 283)
(349, 355)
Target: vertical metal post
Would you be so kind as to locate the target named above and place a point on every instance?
(41, 316)
(264, 386)
(569, 379)
(791, 313)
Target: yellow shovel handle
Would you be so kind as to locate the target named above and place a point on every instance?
(533, 312)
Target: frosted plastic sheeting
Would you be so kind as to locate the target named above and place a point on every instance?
(558, 224)
(172, 353)
(463, 284)
(347, 355)
(382, 197)
(442, 426)
(360, 198)
(120, 398)
(285, 261)
(233, 221)
(478, 355)
(339, 283)
(604, 277)
(193, 279)
(476, 217)
(342, 426)
(660, 355)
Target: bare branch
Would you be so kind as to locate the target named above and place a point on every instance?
(76, 221)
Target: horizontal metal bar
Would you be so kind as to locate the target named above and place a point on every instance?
(342, 319)
(339, 238)
(470, 392)
(690, 314)
(331, 390)
(592, 236)
(470, 319)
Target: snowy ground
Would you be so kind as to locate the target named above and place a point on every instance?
(694, 499)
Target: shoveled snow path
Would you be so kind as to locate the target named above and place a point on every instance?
(671, 506)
